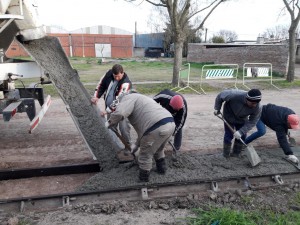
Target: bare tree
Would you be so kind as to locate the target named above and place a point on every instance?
(227, 35)
(293, 8)
(181, 14)
(279, 32)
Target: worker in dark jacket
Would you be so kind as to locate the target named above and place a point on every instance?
(177, 106)
(242, 111)
(114, 83)
(279, 119)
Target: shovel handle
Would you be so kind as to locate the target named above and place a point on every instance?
(227, 124)
(230, 127)
(121, 138)
(173, 147)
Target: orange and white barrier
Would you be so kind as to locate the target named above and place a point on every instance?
(38, 118)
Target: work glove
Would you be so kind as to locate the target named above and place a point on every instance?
(135, 150)
(237, 135)
(292, 158)
(107, 124)
(108, 110)
(217, 112)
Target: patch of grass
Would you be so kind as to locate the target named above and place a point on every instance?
(143, 70)
(222, 216)
(247, 199)
(23, 222)
(285, 84)
(151, 89)
(225, 216)
(81, 67)
(50, 90)
(296, 200)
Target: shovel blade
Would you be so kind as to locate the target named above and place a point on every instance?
(252, 156)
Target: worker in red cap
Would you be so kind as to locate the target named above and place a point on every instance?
(279, 119)
(177, 106)
(241, 110)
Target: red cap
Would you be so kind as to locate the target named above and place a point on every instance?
(293, 121)
(176, 102)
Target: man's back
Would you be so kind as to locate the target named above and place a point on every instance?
(142, 111)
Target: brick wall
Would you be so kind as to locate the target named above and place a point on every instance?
(121, 45)
(277, 55)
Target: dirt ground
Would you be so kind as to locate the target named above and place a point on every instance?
(57, 142)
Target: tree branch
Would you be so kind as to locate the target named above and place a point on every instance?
(210, 12)
(204, 8)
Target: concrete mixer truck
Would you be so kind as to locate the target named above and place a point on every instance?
(19, 19)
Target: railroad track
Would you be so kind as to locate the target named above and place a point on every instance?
(147, 192)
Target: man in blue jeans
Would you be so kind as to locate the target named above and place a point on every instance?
(279, 119)
(241, 110)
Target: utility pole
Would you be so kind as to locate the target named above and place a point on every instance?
(82, 40)
(205, 34)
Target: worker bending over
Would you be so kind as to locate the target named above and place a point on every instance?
(177, 106)
(279, 119)
(154, 126)
(242, 111)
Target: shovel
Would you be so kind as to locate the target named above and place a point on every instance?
(250, 151)
(114, 129)
(174, 153)
(123, 157)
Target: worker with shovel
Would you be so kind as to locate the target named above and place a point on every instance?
(279, 119)
(241, 111)
(111, 85)
(154, 126)
(177, 106)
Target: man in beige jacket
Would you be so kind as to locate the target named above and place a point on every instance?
(154, 126)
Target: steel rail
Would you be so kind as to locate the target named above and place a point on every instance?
(147, 192)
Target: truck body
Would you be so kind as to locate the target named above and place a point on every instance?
(19, 19)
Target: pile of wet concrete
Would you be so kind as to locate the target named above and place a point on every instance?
(194, 166)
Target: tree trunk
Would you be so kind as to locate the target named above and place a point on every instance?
(178, 46)
(292, 55)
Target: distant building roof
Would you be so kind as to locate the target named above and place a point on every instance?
(100, 29)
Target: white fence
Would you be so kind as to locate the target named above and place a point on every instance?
(219, 71)
(256, 70)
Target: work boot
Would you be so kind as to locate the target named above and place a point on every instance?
(161, 166)
(226, 150)
(144, 175)
(237, 148)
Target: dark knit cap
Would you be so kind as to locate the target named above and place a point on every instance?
(254, 95)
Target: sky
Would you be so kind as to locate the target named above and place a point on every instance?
(248, 18)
